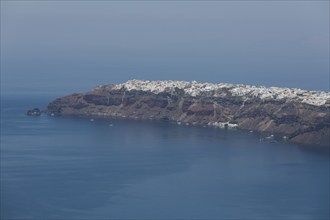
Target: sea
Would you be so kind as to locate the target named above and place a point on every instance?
(78, 168)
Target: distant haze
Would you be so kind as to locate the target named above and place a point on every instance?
(63, 47)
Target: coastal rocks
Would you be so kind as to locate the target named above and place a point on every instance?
(34, 112)
(292, 113)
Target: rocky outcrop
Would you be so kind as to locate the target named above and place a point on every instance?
(301, 116)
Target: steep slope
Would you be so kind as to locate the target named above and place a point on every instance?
(302, 116)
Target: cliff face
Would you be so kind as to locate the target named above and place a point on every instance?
(302, 116)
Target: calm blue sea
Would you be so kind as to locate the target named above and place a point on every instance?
(72, 168)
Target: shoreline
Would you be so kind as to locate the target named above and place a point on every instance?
(300, 122)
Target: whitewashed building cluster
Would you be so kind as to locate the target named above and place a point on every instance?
(316, 98)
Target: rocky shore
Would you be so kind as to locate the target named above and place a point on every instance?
(297, 115)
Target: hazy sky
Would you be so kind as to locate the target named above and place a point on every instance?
(63, 47)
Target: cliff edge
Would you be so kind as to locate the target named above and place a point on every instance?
(298, 115)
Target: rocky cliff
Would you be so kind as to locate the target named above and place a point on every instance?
(298, 115)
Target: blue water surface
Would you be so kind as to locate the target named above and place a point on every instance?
(73, 168)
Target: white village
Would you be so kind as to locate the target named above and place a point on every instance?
(315, 98)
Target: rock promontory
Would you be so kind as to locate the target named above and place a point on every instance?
(300, 116)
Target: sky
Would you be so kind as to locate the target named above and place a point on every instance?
(58, 47)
